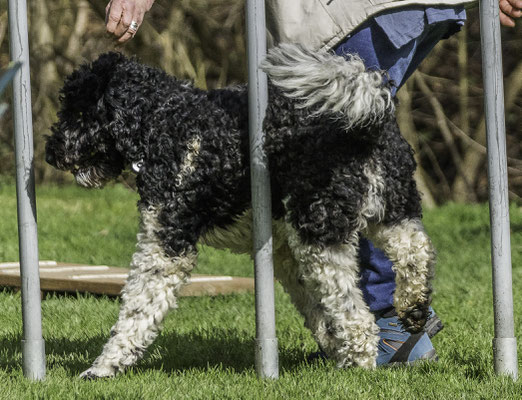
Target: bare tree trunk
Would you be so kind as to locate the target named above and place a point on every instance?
(473, 160)
(407, 126)
(42, 50)
(463, 80)
(445, 130)
(42, 41)
(72, 51)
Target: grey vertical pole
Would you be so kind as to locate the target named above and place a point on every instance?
(267, 364)
(33, 352)
(504, 343)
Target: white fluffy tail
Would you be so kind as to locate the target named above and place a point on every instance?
(330, 82)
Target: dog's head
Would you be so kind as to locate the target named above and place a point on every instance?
(81, 140)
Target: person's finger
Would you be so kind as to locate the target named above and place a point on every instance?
(516, 4)
(107, 8)
(113, 15)
(507, 21)
(126, 18)
(138, 19)
(129, 34)
(126, 36)
(509, 8)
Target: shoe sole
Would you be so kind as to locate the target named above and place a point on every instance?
(433, 326)
(430, 356)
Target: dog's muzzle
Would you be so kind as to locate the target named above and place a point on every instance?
(90, 177)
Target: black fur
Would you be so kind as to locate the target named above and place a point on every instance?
(117, 111)
(319, 166)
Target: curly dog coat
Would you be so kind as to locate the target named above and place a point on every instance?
(339, 167)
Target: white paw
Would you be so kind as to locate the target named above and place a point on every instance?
(97, 373)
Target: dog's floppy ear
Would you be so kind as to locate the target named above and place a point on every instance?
(87, 84)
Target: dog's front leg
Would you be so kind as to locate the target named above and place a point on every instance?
(409, 247)
(150, 291)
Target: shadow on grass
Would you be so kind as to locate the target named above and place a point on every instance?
(171, 352)
(226, 349)
(474, 366)
(11, 353)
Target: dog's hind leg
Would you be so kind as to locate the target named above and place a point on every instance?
(410, 249)
(324, 288)
(150, 291)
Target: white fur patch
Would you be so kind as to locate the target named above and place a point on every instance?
(330, 82)
(373, 206)
(150, 291)
(188, 165)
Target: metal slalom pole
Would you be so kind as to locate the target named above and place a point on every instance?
(33, 347)
(504, 342)
(267, 364)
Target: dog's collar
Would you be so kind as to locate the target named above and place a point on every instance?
(137, 165)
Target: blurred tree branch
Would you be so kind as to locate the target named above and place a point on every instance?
(473, 159)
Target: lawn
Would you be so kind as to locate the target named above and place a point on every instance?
(212, 357)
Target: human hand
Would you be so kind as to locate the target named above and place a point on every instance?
(510, 9)
(124, 17)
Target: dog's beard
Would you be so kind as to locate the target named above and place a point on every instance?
(93, 177)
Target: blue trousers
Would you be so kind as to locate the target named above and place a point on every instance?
(377, 52)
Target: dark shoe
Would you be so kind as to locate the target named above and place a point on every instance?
(397, 346)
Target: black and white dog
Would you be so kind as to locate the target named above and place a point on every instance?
(339, 167)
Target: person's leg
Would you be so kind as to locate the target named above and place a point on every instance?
(425, 45)
(377, 277)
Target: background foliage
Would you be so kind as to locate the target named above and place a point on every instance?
(440, 111)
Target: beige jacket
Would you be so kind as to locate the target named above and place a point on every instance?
(321, 24)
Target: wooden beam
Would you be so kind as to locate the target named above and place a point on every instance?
(103, 279)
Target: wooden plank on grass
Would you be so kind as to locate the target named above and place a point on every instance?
(103, 279)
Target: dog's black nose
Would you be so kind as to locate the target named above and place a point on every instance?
(49, 158)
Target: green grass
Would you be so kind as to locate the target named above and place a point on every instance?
(212, 356)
